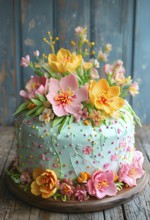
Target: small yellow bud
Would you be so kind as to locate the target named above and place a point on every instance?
(56, 38)
(92, 44)
(51, 38)
(48, 32)
(92, 52)
(72, 43)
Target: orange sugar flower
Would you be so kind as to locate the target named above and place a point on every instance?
(104, 97)
(64, 61)
(84, 177)
(45, 183)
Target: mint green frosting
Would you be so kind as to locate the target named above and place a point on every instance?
(78, 148)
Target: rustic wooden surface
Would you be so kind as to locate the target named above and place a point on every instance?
(23, 23)
(13, 209)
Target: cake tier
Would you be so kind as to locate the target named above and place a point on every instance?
(78, 148)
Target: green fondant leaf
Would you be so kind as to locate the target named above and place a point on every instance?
(41, 97)
(36, 102)
(57, 121)
(30, 112)
(22, 107)
(39, 111)
(63, 124)
(71, 119)
(119, 186)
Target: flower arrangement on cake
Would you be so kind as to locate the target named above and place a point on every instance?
(67, 102)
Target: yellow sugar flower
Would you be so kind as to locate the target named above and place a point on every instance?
(87, 65)
(64, 61)
(45, 183)
(104, 97)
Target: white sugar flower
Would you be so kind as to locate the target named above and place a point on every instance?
(46, 115)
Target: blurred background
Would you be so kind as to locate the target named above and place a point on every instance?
(123, 23)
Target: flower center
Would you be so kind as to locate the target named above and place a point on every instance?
(64, 97)
(102, 184)
(132, 172)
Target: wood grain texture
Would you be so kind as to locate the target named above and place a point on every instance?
(142, 59)
(12, 208)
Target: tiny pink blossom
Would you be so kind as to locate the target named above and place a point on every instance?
(81, 193)
(84, 114)
(108, 69)
(106, 165)
(129, 173)
(36, 53)
(25, 61)
(94, 74)
(134, 89)
(123, 143)
(138, 158)
(101, 184)
(34, 86)
(87, 150)
(65, 96)
(25, 178)
(114, 157)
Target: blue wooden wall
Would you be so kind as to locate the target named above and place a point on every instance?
(123, 23)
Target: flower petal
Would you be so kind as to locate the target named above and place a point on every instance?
(81, 94)
(59, 110)
(37, 172)
(100, 87)
(69, 81)
(54, 86)
(117, 103)
(35, 189)
(113, 91)
(73, 109)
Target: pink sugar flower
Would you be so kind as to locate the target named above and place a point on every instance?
(108, 69)
(138, 158)
(87, 150)
(81, 193)
(36, 53)
(34, 86)
(134, 89)
(101, 184)
(114, 157)
(65, 96)
(106, 165)
(123, 143)
(129, 173)
(66, 189)
(25, 178)
(25, 61)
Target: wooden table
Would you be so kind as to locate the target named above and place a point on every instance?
(13, 209)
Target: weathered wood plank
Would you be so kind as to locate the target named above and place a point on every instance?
(71, 14)
(113, 22)
(8, 82)
(142, 59)
(87, 216)
(6, 138)
(36, 20)
(115, 213)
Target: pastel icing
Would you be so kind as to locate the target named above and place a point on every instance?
(78, 148)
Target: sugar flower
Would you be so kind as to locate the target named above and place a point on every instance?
(64, 61)
(84, 177)
(134, 89)
(81, 193)
(65, 96)
(138, 158)
(102, 56)
(87, 150)
(45, 183)
(66, 189)
(47, 115)
(104, 97)
(107, 48)
(34, 86)
(36, 53)
(94, 74)
(25, 177)
(101, 184)
(96, 117)
(25, 61)
(129, 173)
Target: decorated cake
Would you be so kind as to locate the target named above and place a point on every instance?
(75, 129)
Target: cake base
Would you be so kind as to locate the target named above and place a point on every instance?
(74, 206)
